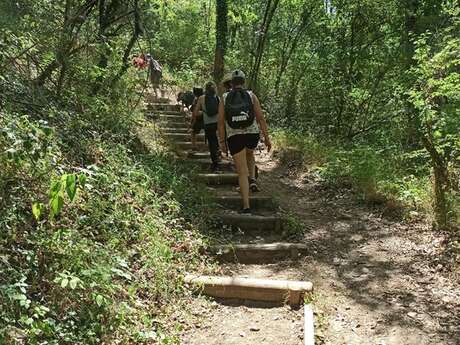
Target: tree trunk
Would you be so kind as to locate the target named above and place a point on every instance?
(441, 184)
(221, 40)
(268, 16)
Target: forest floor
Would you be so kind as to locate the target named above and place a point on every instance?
(377, 279)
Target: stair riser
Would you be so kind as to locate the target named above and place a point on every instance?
(252, 289)
(219, 180)
(259, 256)
(204, 165)
(256, 204)
(163, 107)
(248, 224)
(182, 136)
(176, 130)
(188, 145)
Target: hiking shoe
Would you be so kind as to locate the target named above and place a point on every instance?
(245, 211)
(253, 185)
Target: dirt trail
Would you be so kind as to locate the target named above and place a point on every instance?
(377, 280)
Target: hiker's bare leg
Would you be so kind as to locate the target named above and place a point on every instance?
(251, 161)
(242, 170)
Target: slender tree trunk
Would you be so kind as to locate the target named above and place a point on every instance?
(268, 16)
(221, 40)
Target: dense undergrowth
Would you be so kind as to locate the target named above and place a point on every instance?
(96, 229)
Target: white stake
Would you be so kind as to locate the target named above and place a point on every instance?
(309, 331)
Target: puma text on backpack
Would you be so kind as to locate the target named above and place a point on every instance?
(239, 109)
(211, 104)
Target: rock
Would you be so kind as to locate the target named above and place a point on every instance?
(242, 334)
(254, 329)
(412, 314)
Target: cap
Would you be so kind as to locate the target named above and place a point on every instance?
(227, 78)
(238, 74)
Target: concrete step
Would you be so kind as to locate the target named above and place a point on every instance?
(172, 118)
(258, 253)
(204, 163)
(219, 178)
(249, 222)
(278, 291)
(169, 112)
(162, 107)
(233, 201)
(181, 136)
(184, 145)
(172, 122)
(196, 155)
(183, 130)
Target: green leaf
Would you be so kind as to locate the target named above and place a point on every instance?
(74, 282)
(55, 189)
(56, 204)
(82, 179)
(37, 210)
(64, 282)
(99, 300)
(71, 186)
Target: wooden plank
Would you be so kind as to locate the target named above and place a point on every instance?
(279, 291)
(258, 253)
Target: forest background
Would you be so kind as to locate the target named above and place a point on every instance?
(365, 94)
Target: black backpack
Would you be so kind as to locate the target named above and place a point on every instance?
(239, 109)
(211, 103)
(188, 98)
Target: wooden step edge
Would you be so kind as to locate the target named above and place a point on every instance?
(279, 291)
(251, 222)
(258, 253)
(216, 179)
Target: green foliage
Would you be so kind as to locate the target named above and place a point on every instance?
(96, 231)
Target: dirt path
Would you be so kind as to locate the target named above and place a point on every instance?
(378, 280)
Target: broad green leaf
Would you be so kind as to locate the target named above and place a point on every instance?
(56, 204)
(82, 179)
(55, 189)
(73, 283)
(71, 186)
(64, 282)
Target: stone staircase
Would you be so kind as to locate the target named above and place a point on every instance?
(265, 220)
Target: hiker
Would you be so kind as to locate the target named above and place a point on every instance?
(241, 120)
(186, 99)
(196, 123)
(227, 82)
(208, 104)
(156, 72)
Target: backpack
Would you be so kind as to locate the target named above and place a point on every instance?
(239, 109)
(211, 104)
(188, 98)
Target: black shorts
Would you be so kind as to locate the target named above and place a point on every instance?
(236, 143)
(198, 126)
